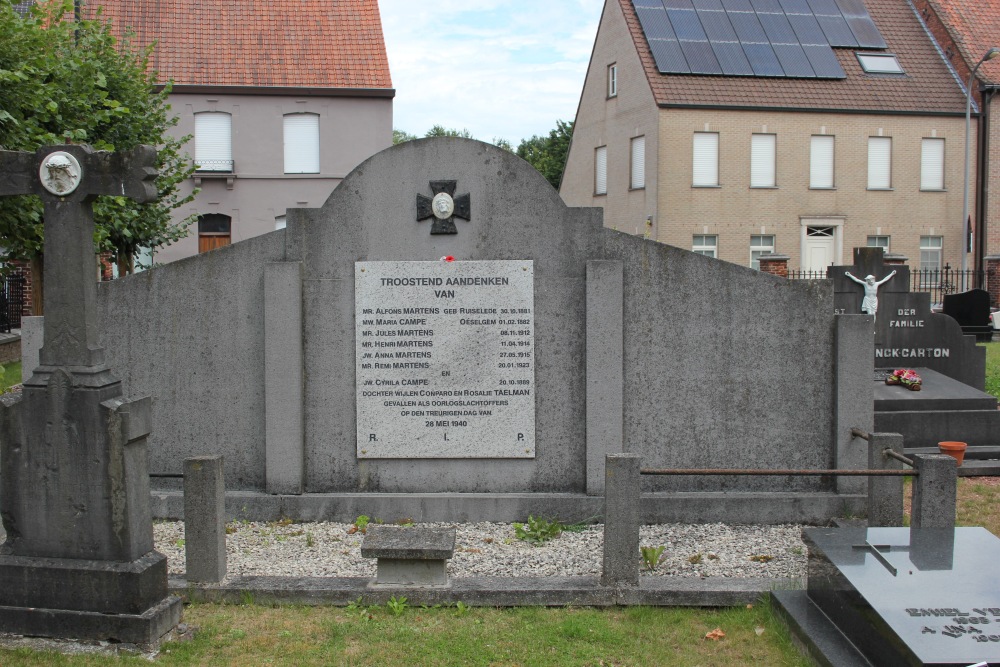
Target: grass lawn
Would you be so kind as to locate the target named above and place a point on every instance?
(254, 635)
(11, 375)
(993, 368)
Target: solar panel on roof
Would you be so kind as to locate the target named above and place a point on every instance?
(807, 29)
(782, 38)
(655, 24)
(795, 6)
(668, 56)
(866, 32)
(686, 24)
(837, 32)
(793, 60)
(701, 58)
(732, 59)
(747, 27)
(767, 6)
(717, 27)
(824, 61)
(762, 59)
(777, 28)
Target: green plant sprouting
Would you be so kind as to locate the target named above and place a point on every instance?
(651, 556)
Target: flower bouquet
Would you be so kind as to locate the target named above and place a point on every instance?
(905, 377)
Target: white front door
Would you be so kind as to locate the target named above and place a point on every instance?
(818, 248)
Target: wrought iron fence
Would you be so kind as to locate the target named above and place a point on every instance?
(11, 301)
(936, 282)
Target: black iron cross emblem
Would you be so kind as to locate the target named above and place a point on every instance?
(444, 207)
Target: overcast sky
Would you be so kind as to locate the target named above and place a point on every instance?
(499, 68)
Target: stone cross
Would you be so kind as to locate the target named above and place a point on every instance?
(68, 179)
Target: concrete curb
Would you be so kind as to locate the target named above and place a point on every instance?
(488, 591)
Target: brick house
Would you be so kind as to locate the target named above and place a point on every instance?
(283, 98)
(803, 128)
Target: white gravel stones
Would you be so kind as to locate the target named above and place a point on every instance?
(491, 549)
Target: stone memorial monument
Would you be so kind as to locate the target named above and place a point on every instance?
(445, 340)
(78, 560)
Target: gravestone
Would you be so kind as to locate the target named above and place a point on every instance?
(900, 596)
(972, 312)
(78, 560)
(907, 333)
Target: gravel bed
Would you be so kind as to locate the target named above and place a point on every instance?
(491, 549)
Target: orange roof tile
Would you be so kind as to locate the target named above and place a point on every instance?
(929, 86)
(974, 26)
(258, 43)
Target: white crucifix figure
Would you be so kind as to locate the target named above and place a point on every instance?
(869, 304)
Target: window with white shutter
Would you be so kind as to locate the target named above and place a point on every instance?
(762, 158)
(601, 170)
(932, 164)
(879, 163)
(821, 162)
(638, 180)
(213, 141)
(706, 159)
(302, 143)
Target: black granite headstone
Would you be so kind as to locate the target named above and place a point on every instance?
(907, 333)
(905, 597)
(972, 312)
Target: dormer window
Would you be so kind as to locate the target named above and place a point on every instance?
(879, 63)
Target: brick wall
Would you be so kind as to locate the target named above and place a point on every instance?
(993, 279)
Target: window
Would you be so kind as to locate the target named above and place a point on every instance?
(601, 171)
(612, 80)
(704, 244)
(762, 154)
(932, 164)
(821, 162)
(878, 242)
(302, 143)
(706, 159)
(280, 222)
(638, 163)
(760, 244)
(879, 63)
(214, 231)
(213, 141)
(879, 163)
(930, 252)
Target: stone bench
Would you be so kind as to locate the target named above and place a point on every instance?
(409, 556)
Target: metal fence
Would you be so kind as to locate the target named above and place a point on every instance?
(11, 301)
(936, 282)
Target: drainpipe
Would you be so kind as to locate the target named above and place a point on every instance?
(983, 181)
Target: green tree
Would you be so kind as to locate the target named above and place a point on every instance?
(63, 81)
(399, 136)
(440, 131)
(548, 154)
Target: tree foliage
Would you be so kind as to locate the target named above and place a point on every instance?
(548, 154)
(399, 136)
(71, 82)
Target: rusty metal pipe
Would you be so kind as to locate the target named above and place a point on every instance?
(789, 473)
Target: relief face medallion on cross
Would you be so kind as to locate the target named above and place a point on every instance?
(60, 173)
(443, 205)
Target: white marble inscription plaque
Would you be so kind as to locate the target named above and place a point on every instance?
(445, 359)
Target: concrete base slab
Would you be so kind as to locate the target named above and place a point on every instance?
(814, 508)
(490, 591)
(144, 630)
(821, 639)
